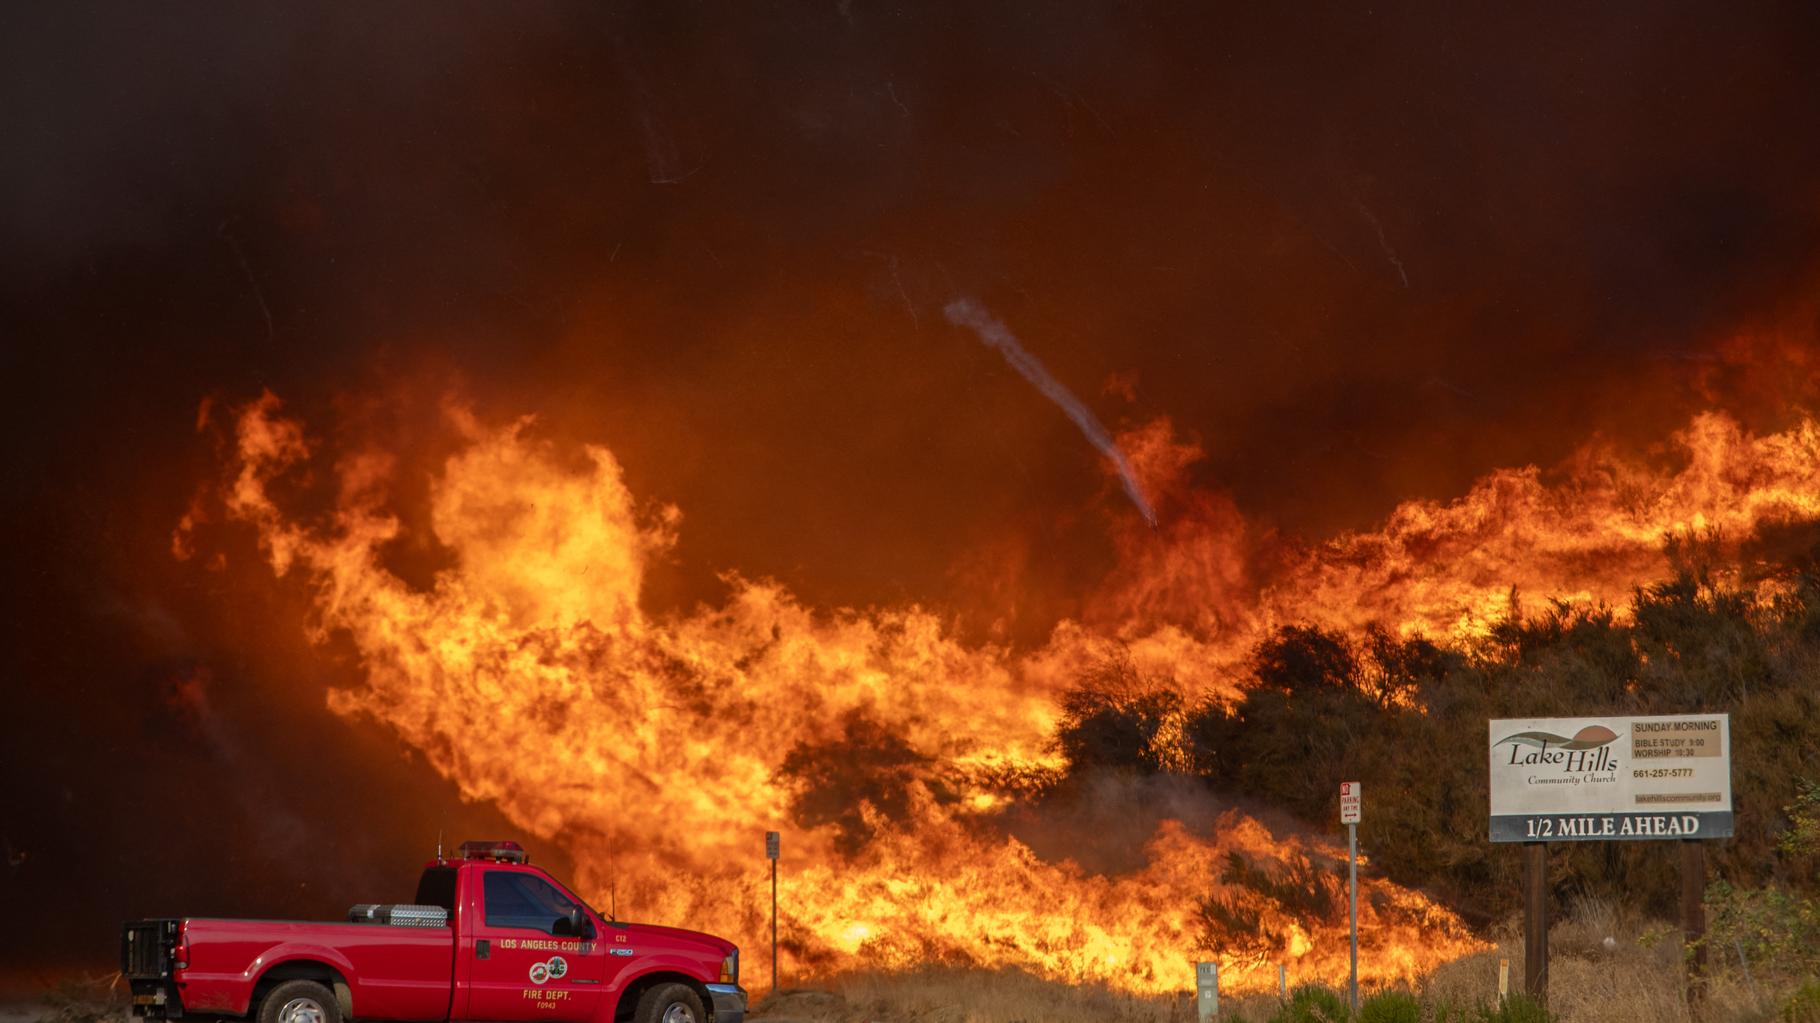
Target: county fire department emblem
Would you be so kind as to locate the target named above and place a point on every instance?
(551, 970)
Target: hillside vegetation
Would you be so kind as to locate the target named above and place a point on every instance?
(1407, 717)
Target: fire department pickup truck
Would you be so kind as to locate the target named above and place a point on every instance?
(488, 937)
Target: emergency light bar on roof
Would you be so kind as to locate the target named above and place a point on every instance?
(499, 852)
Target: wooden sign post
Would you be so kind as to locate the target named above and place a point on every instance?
(1535, 921)
(1693, 917)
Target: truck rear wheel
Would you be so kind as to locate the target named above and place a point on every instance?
(666, 1003)
(300, 1001)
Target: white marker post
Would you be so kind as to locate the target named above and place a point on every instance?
(1207, 991)
(773, 840)
(1350, 798)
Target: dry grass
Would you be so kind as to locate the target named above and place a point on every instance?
(1636, 979)
(97, 998)
(943, 995)
(947, 995)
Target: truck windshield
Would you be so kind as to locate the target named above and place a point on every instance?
(524, 900)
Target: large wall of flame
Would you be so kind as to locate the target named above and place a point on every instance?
(1357, 259)
(655, 748)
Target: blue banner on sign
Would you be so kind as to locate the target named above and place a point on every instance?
(1609, 827)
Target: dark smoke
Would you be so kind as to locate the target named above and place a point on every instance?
(1363, 254)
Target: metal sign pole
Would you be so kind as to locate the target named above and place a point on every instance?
(774, 927)
(1351, 800)
(1352, 886)
(773, 840)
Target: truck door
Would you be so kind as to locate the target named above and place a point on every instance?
(524, 964)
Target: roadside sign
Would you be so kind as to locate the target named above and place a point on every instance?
(1621, 777)
(1350, 797)
(1611, 778)
(1207, 991)
(773, 839)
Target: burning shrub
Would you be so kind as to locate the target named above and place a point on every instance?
(1300, 658)
(1296, 893)
(1303, 719)
(1116, 718)
(1303, 889)
(1227, 925)
(854, 783)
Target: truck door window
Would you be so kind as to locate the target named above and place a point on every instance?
(523, 900)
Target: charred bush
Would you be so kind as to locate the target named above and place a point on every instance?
(1303, 889)
(865, 777)
(1300, 658)
(1212, 741)
(1115, 718)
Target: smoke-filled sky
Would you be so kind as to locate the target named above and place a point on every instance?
(1357, 256)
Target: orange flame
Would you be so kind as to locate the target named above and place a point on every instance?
(1451, 569)
(650, 747)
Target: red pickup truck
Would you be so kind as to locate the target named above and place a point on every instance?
(488, 937)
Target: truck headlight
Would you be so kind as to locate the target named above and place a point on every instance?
(729, 968)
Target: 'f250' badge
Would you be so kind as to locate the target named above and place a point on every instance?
(554, 969)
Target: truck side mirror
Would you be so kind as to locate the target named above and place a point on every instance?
(571, 926)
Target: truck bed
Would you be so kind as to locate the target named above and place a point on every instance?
(397, 973)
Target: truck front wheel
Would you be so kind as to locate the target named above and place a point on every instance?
(300, 1001)
(665, 1003)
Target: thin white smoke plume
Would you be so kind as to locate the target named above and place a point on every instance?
(965, 312)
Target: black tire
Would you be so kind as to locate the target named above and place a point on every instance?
(300, 1001)
(667, 1003)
